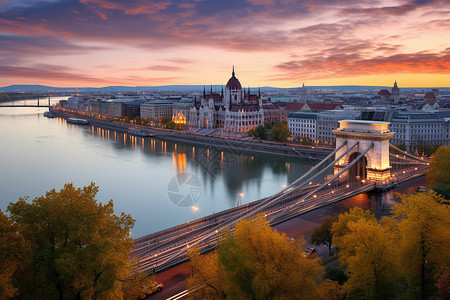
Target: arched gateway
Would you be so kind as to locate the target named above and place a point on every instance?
(374, 165)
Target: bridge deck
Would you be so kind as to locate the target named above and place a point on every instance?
(164, 249)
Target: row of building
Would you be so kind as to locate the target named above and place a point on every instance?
(235, 109)
(412, 128)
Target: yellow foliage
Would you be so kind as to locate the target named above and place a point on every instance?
(257, 262)
(424, 238)
(78, 247)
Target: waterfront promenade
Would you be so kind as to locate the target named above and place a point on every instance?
(233, 143)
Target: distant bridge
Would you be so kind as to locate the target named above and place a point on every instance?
(361, 163)
(35, 103)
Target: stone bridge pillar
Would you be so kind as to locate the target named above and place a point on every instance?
(375, 166)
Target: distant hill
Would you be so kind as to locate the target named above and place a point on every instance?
(185, 88)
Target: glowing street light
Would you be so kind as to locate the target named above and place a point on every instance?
(194, 209)
(240, 199)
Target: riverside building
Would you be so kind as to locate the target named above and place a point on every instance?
(233, 110)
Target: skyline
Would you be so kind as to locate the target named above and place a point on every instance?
(271, 43)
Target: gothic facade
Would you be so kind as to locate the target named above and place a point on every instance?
(234, 109)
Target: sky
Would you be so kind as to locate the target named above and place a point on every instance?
(282, 43)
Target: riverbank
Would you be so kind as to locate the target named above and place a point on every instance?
(237, 145)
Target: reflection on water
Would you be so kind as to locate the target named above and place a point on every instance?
(379, 203)
(38, 154)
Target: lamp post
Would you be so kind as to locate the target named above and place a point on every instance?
(240, 197)
(194, 209)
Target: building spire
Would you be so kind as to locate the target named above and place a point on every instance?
(232, 74)
(204, 92)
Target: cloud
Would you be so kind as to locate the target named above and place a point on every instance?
(61, 74)
(50, 72)
(342, 65)
(19, 48)
(326, 34)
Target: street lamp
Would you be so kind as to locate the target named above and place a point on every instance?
(194, 209)
(240, 197)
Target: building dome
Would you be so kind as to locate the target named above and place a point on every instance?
(233, 83)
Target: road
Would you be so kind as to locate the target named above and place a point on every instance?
(380, 204)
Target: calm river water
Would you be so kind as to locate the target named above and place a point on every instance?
(141, 175)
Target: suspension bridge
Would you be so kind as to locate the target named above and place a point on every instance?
(361, 162)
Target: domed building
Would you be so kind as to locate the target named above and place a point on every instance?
(234, 110)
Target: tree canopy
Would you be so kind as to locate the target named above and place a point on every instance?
(257, 262)
(439, 167)
(280, 132)
(322, 235)
(400, 256)
(11, 246)
(77, 248)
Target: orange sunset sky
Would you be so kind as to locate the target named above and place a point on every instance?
(281, 43)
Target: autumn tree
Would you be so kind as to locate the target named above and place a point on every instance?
(322, 235)
(439, 167)
(11, 246)
(280, 132)
(207, 273)
(365, 250)
(257, 262)
(340, 227)
(423, 240)
(78, 248)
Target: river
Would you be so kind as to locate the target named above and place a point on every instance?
(157, 182)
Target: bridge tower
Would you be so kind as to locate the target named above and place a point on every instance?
(374, 165)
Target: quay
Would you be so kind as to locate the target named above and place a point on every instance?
(220, 142)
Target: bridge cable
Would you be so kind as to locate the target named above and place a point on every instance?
(267, 202)
(409, 155)
(324, 184)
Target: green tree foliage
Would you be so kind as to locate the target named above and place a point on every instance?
(78, 248)
(423, 226)
(336, 274)
(322, 235)
(439, 167)
(258, 132)
(257, 262)
(280, 132)
(443, 190)
(11, 246)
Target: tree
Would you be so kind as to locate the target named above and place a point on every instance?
(280, 132)
(423, 226)
(78, 248)
(257, 262)
(340, 227)
(258, 132)
(207, 273)
(365, 249)
(439, 167)
(443, 283)
(11, 246)
(322, 235)
(443, 190)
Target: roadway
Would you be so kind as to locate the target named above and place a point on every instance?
(174, 279)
